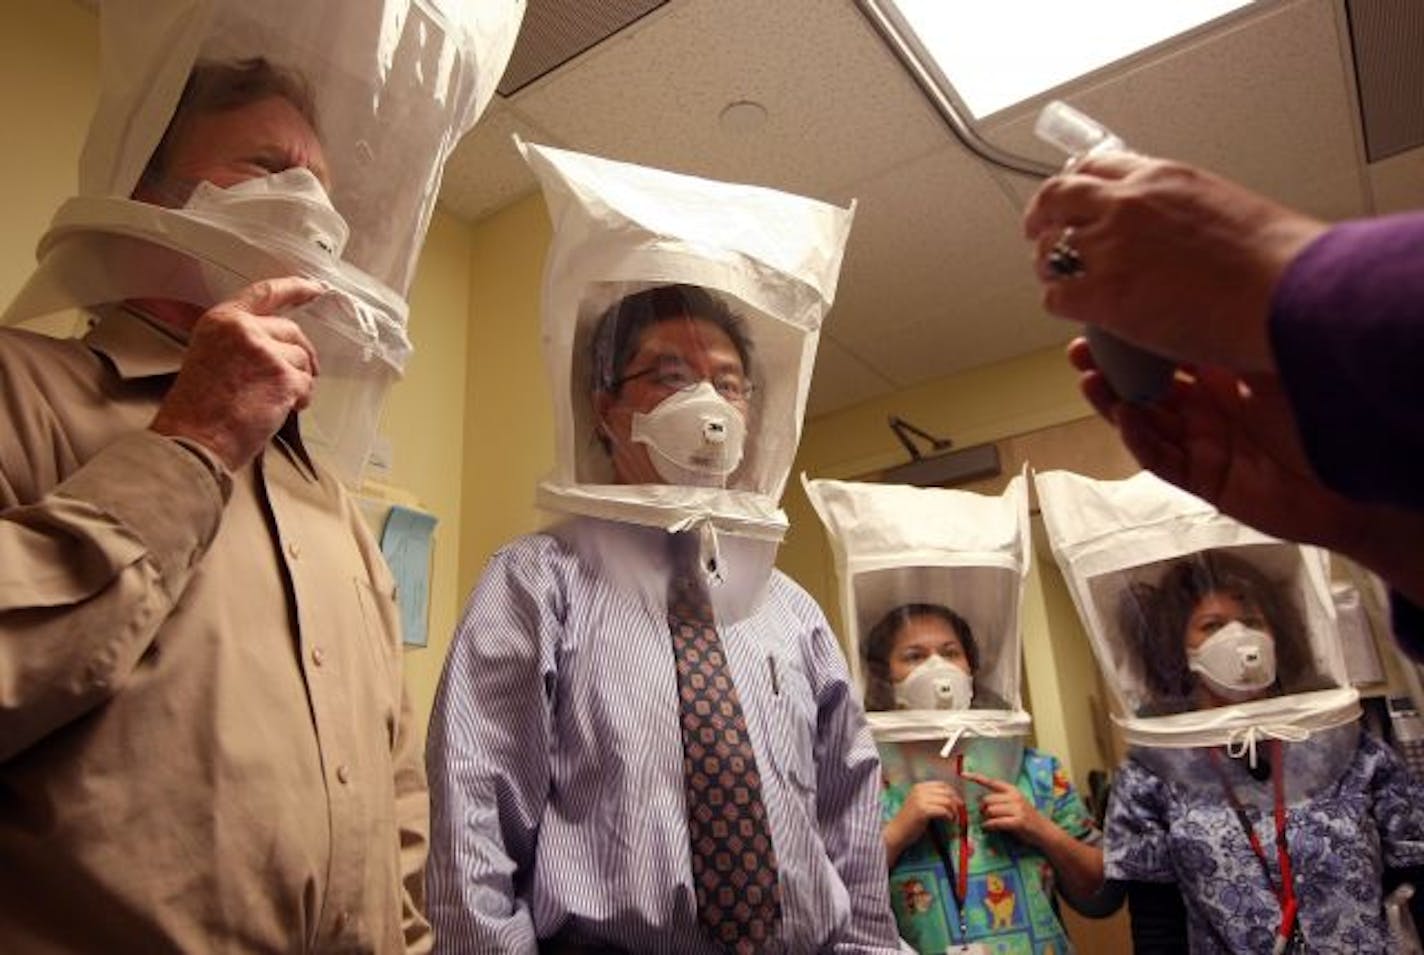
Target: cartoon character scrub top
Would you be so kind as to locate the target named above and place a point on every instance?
(1008, 899)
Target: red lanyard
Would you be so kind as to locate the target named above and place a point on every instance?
(961, 881)
(959, 875)
(1285, 895)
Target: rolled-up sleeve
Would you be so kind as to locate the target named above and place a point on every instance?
(488, 756)
(90, 572)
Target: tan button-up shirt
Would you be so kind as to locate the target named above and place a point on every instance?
(205, 745)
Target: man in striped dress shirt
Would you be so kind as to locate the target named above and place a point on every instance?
(557, 752)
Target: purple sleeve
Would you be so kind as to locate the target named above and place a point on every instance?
(1347, 328)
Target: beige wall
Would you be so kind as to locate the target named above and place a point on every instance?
(509, 423)
(425, 422)
(49, 61)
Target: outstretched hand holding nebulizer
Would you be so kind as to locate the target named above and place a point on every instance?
(1134, 373)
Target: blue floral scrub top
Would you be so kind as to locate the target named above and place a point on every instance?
(1340, 840)
(1009, 907)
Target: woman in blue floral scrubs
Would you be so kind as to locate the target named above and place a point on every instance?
(1188, 824)
(984, 875)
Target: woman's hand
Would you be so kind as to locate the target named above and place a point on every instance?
(924, 803)
(1079, 864)
(1175, 259)
(1006, 809)
(928, 801)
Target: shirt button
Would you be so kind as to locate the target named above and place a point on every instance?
(343, 774)
(294, 550)
(318, 656)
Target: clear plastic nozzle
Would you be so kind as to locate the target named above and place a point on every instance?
(1134, 373)
(1074, 133)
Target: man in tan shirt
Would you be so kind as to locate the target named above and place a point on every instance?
(205, 745)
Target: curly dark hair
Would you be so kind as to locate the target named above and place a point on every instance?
(879, 643)
(1154, 619)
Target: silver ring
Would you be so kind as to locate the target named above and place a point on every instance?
(1063, 260)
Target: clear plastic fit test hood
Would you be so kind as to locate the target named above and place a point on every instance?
(969, 552)
(1117, 539)
(771, 257)
(394, 85)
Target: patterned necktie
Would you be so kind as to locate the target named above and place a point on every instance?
(733, 861)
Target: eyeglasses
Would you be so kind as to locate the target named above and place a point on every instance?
(675, 375)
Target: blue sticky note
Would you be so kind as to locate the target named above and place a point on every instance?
(407, 541)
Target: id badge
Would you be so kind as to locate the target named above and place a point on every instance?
(968, 948)
(1295, 945)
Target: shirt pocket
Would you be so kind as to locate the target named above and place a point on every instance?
(791, 725)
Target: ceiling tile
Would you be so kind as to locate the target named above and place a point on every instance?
(556, 32)
(485, 172)
(935, 251)
(839, 107)
(936, 277)
(841, 379)
(1397, 183)
(1266, 101)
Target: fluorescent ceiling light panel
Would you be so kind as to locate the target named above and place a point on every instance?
(999, 52)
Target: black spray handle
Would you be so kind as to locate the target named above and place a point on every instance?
(1134, 373)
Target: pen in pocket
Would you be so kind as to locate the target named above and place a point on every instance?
(775, 680)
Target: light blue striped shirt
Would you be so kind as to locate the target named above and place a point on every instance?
(556, 766)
